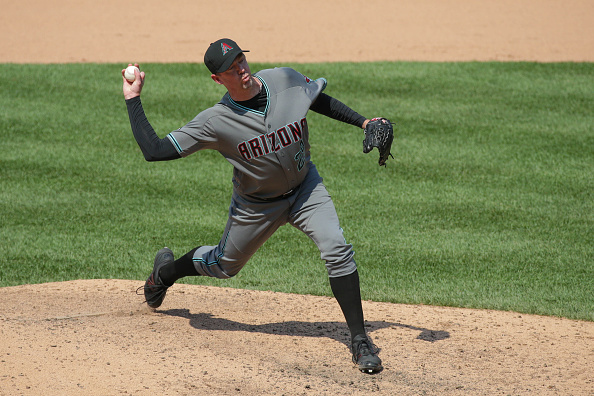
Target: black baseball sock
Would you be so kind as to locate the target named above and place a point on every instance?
(183, 266)
(348, 294)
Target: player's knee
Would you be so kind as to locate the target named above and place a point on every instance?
(223, 271)
(341, 269)
(217, 272)
(232, 267)
(339, 260)
(336, 251)
(210, 262)
(231, 273)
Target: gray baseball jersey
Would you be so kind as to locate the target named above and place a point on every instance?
(274, 180)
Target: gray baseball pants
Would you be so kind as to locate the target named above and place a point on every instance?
(250, 224)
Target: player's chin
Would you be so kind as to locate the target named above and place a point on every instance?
(247, 83)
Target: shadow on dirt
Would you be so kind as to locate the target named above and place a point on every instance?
(334, 330)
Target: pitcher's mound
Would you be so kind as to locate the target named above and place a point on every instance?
(97, 337)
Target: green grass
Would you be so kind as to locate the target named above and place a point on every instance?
(488, 203)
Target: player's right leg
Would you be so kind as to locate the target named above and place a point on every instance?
(180, 268)
(154, 288)
(249, 225)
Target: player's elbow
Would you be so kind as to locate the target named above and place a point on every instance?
(150, 158)
(161, 150)
(160, 156)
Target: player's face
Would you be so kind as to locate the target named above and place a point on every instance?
(237, 75)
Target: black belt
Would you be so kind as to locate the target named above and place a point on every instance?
(280, 197)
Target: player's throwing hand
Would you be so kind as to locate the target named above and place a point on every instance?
(133, 89)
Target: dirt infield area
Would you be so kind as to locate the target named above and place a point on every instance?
(97, 337)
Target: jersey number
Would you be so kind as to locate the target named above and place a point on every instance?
(300, 156)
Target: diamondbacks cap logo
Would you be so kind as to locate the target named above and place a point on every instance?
(226, 48)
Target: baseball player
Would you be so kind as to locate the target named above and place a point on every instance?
(260, 127)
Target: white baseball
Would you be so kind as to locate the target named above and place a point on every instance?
(129, 73)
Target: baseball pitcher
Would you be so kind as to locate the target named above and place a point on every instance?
(260, 127)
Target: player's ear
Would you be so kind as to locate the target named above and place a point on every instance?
(216, 79)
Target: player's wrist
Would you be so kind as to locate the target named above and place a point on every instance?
(131, 96)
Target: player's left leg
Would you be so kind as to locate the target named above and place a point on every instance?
(314, 214)
(346, 289)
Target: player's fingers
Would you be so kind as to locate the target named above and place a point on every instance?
(139, 76)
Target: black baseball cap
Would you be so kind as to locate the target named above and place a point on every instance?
(220, 55)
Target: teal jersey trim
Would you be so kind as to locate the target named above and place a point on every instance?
(218, 258)
(175, 143)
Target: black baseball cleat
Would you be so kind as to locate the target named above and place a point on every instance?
(365, 355)
(154, 288)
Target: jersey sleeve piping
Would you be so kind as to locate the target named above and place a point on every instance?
(175, 143)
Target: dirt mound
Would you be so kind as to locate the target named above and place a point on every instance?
(97, 337)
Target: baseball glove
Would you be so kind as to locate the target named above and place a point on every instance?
(379, 133)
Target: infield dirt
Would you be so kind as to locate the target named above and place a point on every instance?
(96, 337)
